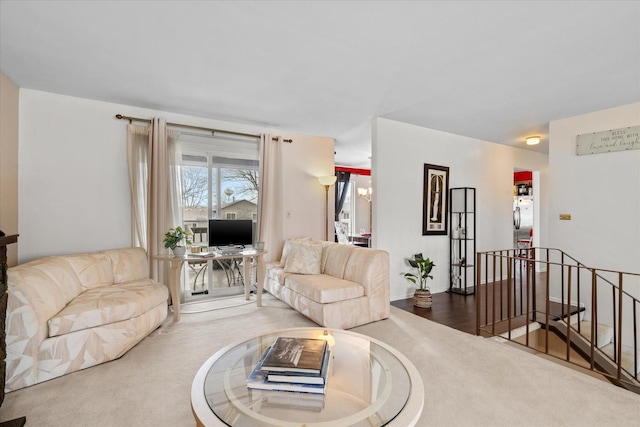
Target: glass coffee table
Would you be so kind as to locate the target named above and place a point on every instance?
(370, 384)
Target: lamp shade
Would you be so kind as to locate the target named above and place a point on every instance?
(327, 180)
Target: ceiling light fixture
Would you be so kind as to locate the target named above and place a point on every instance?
(533, 140)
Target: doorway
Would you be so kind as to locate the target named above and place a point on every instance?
(526, 207)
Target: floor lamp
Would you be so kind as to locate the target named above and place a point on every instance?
(327, 181)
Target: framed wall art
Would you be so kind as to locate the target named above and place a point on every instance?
(435, 200)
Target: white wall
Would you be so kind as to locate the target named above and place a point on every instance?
(9, 101)
(602, 194)
(307, 158)
(600, 191)
(399, 152)
(74, 185)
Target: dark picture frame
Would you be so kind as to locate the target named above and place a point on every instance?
(435, 205)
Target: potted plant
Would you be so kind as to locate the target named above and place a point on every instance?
(174, 238)
(422, 295)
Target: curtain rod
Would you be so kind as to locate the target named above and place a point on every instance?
(138, 119)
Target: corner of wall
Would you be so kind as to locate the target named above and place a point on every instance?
(9, 103)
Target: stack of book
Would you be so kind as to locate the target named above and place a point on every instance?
(292, 364)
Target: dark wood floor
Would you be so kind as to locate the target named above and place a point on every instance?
(450, 309)
(458, 311)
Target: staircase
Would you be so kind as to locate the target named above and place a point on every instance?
(548, 302)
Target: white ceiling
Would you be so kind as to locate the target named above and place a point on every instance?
(496, 71)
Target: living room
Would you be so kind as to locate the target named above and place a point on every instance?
(65, 189)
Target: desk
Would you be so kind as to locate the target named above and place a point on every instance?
(176, 264)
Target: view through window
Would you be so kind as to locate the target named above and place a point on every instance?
(219, 181)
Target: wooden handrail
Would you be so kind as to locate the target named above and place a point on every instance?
(563, 276)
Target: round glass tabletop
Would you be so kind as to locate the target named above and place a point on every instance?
(369, 384)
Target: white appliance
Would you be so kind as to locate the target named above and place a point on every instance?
(522, 218)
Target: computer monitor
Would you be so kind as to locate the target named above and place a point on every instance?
(230, 232)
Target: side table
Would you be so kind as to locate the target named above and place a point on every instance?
(175, 270)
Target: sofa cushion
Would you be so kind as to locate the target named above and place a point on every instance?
(304, 258)
(323, 288)
(109, 304)
(129, 264)
(93, 270)
(335, 258)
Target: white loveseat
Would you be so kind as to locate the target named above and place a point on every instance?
(335, 285)
(66, 313)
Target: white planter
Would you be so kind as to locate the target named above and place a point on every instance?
(179, 251)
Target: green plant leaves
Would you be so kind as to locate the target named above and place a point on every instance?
(424, 267)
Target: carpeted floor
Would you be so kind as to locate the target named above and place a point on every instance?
(468, 380)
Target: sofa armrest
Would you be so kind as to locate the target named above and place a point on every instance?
(369, 268)
(37, 290)
(129, 264)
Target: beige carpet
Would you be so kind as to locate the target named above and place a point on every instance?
(468, 381)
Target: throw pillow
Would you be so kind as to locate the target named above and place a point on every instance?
(304, 258)
(286, 250)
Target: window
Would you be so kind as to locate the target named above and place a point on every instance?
(219, 178)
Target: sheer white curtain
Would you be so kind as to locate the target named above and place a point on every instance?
(138, 159)
(270, 193)
(154, 175)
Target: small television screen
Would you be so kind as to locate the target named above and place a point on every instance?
(229, 232)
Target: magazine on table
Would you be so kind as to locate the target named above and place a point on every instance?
(304, 355)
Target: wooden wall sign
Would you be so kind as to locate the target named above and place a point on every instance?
(609, 140)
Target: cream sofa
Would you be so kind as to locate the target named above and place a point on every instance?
(66, 313)
(335, 285)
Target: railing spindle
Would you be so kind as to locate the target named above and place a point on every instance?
(501, 292)
(620, 325)
(493, 299)
(568, 318)
(635, 340)
(478, 290)
(562, 284)
(547, 309)
(578, 295)
(512, 264)
(594, 317)
(616, 355)
(527, 301)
